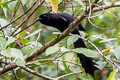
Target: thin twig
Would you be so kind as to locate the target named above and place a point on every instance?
(15, 10)
(18, 17)
(110, 5)
(100, 52)
(20, 25)
(73, 73)
(54, 60)
(24, 28)
(36, 73)
(71, 27)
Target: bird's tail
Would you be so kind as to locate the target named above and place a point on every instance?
(87, 62)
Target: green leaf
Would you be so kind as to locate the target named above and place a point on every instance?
(33, 33)
(27, 50)
(66, 67)
(5, 3)
(112, 74)
(24, 41)
(5, 11)
(10, 40)
(85, 51)
(21, 34)
(36, 44)
(3, 22)
(30, 48)
(82, 33)
(107, 40)
(12, 5)
(2, 43)
(68, 57)
(72, 39)
(52, 37)
(6, 53)
(24, 2)
(95, 37)
(52, 50)
(101, 64)
(117, 52)
(16, 53)
(20, 62)
(37, 63)
(63, 49)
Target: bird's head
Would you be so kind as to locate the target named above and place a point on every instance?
(46, 18)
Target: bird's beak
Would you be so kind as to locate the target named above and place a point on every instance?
(38, 19)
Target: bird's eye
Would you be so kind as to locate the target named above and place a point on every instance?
(44, 15)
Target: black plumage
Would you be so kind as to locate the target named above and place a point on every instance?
(61, 21)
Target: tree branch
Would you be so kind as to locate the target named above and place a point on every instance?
(20, 25)
(36, 73)
(110, 5)
(101, 53)
(18, 17)
(73, 73)
(71, 27)
(13, 65)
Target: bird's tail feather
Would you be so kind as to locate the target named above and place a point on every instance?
(87, 62)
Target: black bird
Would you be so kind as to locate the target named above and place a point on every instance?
(61, 21)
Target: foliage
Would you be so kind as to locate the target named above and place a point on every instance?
(102, 29)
